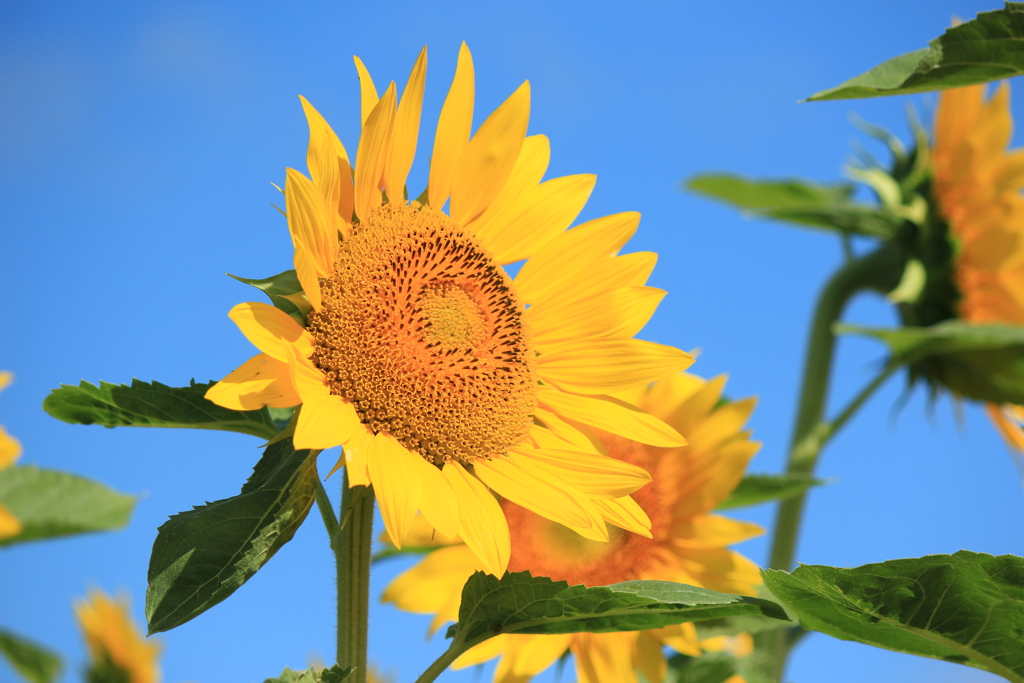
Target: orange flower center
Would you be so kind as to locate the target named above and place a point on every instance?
(420, 329)
(547, 548)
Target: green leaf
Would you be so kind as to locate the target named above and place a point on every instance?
(50, 503)
(981, 362)
(798, 201)
(521, 603)
(712, 667)
(32, 661)
(285, 292)
(966, 608)
(336, 674)
(985, 49)
(202, 556)
(153, 405)
(761, 488)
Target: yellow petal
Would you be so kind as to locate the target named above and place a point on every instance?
(559, 434)
(434, 585)
(603, 657)
(406, 129)
(329, 167)
(372, 153)
(489, 649)
(720, 569)
(725, 422)
(612, 416)
(691, 413)
(538, 490)
(613, 313)
(488, 159)
(6, 377)
(397, 482)
(260, 381)
(662, 398)
(714, 475)
(439, 503)
(9, 524)
(526, 174)
(680, 637)
(534, 654)
(712, 531)
(367, 91)
(10, 448)
(314, 237)
(324, 423)
(453, 128)
(353, 457)
(650, 659)
(569, 256)
(606, 366)
(271, 330)
(625, 513)
(482, 524)
(538, 215)
(596, 476)
(1007, 428)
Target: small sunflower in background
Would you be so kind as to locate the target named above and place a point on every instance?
(442, 377)
(10, 451)
(977, 186)
(118, 652)
(687, 543)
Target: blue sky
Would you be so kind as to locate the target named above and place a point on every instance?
(138, 144)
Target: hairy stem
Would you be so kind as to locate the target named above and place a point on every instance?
(351, 545)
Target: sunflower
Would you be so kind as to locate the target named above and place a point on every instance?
(977, 185)
(687, 542)
(441, 376)
(10, 451)
(117, 649)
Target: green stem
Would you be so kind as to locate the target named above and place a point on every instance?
(323, 503)
(443, 662)
(878, 271)
(351, 545)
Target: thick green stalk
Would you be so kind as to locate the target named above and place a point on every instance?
(878, 271)
(351, 545)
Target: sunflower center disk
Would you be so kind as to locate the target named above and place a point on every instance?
(547, 548)
(421, 331)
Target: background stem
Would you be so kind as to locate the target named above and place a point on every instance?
(351, 545)
(878, 271)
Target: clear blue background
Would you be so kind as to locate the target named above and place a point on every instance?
(138, 142)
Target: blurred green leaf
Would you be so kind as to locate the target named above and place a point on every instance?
(760, 488)
(800, 202)
(521, 603)
(966, 607)
(153, 405)
(335, 674)
(33, 662)
(984, 49)
(712, 667)
(285, 292)
(202, 556)
(981, 362)
(50, 503)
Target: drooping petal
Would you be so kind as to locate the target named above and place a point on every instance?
(612, 416)
(353, 457)
(650, 659)
(488, 159)
(260, 381)
(371, 156)
(603, 657)
(271, 330)
(525, 485)
(482, 524)
(325, 422)
(367, 91)
(605, 366)
(439, 504)
(453, 128)
(596, 476)
(406, 129)
(530, 656)
(398, 483)
(536, 216)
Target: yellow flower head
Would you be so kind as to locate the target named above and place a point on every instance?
(115, 642)
(442, 377)
(977, 184)
(687, 542)
(10, 451)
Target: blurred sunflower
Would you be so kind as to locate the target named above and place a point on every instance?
(118, 652)
(10, 451)
(687, 543)
(977, 186)
(442, 377)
